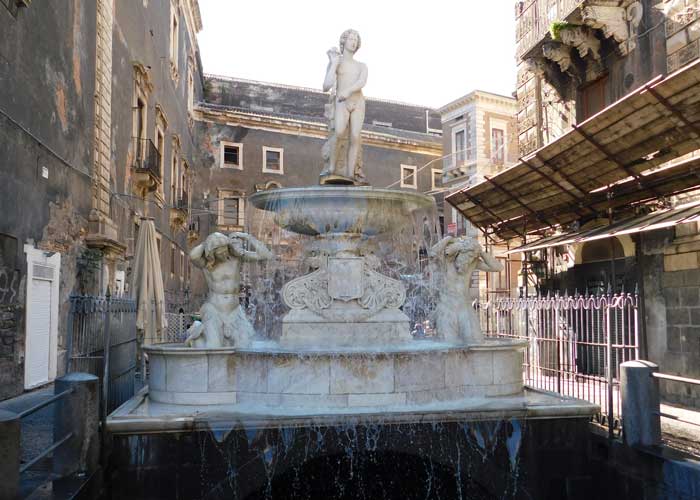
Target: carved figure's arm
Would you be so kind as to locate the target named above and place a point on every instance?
(489, 263)
(331, 69)
(197, 256)
(438, 250)
(260, 251)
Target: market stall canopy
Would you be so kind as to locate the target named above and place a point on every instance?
(656, 220)
(147, 285)
(612, 159)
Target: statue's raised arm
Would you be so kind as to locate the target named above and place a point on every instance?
(259, 250)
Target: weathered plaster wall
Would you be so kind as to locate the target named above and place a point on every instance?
(46, 107)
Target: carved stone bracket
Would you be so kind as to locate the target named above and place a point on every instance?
(560, 54)
(583, 40)
(618, 23)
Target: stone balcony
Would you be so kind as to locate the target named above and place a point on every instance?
(615, 19)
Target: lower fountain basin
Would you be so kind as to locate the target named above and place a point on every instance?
(266, 375)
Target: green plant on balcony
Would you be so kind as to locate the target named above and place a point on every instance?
(556, 28)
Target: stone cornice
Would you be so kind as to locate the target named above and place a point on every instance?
(317, 130)
(478, 96)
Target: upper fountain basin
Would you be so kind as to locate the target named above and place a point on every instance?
(322, 210)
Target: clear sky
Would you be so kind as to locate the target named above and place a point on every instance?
(428, 52)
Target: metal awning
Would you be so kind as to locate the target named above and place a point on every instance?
(610, 160)
(656, 220)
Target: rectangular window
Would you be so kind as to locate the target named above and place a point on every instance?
(231, 209)
(182, 266)
(174, 175)
(174, 33)
(231, 155)
(273, 160)
(190, 91)
(460, 145)
(184, 185)
(436, 178)
(160, 144)
(173, 256)
(498, 146)
(409, 177)
(593, 98)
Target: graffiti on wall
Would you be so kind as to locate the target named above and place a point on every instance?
(9, 274)
(9, 285)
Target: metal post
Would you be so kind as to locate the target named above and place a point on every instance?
(555, 304)
(640, 403)
(77, 415)
(69, 334)
(608, 357)
(9, 454)
(107, 349)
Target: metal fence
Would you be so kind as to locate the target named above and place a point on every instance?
(177, 327)
(575, 343)
(96, 322)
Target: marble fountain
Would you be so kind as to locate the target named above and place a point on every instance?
(345, 361)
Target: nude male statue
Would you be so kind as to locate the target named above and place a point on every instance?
(223, 321)
(345, 78)
(456, 319)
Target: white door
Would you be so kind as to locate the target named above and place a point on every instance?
(38, 333)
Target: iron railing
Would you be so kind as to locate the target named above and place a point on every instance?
(96, 322)
(146, 157)
(575, 343)
(534, 17)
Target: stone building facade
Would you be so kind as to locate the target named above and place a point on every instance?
(258, 135)
(73, 93)
(574, 59)
(479, 139)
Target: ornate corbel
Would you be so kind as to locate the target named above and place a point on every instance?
(560, 54)
(582, 39)
(618, 23)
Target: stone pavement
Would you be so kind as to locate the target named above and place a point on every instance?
(681, 428)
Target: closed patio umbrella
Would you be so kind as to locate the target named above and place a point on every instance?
(147, 286)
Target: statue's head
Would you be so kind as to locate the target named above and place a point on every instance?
(352, 39)
(215, 248)
(464, 251)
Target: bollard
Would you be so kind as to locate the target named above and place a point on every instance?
(9, 454)
(79, 413)
(641, 422)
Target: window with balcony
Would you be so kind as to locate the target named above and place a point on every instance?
(231, 209)
(409, 178)
(273, 160)
(183, 199)
(231, 155)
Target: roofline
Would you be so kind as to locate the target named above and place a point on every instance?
(473, 95)
(309, 89)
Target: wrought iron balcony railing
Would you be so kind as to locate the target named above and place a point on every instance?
(146, 157)
(534, 17)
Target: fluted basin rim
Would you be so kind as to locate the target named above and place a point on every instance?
(261, 198)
